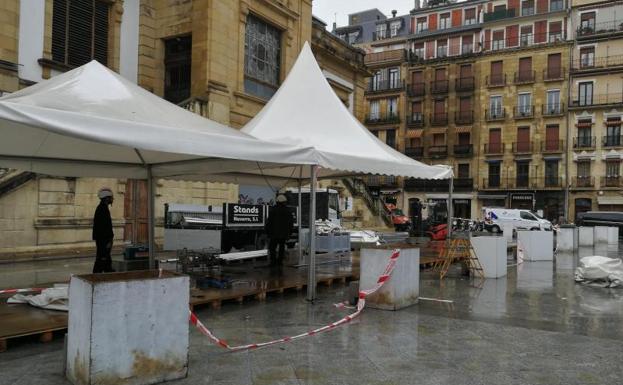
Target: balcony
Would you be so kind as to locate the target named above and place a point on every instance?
(464, 117)
(552, 182)
(526, 77)
(493, 149)
(583, 182)
(382, 181)
(611, 141)
(494, 182)
(374, 119)
(385, 86)
(554, 74)
(551, 110)
(499, 15)
(437, 152)
(523, 112)
(414, 152)
(463, 150)
(523, 147)
(552, 146)
(439, 87)
(596, 100)
(605, 28)
(439, 119)
(415, 90)
(591, 63)
(416, 120)
(465, 84)
(584, 143)
(460, 184)
(396, 55)
(611, 182)
(498, 80)
(522, 182)
(495, 114)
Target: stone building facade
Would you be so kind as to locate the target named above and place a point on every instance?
(222, 59)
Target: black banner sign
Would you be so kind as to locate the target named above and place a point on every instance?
(239, 215)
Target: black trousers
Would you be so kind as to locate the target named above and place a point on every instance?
(276, 259)
(103, 262)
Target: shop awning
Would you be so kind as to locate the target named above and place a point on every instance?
(463, 130)
(412, 134)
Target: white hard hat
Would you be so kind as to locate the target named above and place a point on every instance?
(104, 192)
(281, 198)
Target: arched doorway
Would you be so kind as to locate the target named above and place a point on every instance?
(582, 205)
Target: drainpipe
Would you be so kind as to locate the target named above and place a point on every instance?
(568, 144)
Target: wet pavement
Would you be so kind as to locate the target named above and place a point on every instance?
(536, 326)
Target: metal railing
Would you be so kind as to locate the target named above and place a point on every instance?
(414, 152)
(396, 55)
(465, 84)
(583, 181)
(416, 119)
(584, 142)
(385, 85)
(496, 80)
(523, 112)
(554, 109)
(460, 184)
(439, 119)
(439, 86)
(464, 117)
(499, 15)
(463, 150)
(493, 182)
(596, 100)
(611, 181)
(607, 27)
(523, 147)
(525, 77)
(438, 151)
(592, 62)
(495, 114)
(612, 141)
(552, 182)
(383, 119)
(359, 188)
(552, 146)
(554, 73)
(493, 148)
(522, 182)
(416, 89)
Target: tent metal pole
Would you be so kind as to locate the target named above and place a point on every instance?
(450, 207)
(300, 217)
(311, 278)
(151, 189)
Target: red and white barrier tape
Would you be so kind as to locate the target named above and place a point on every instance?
(15, 291)
(383, 278)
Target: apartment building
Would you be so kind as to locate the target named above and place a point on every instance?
(596, 106)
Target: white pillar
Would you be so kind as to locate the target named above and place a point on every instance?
(450, 207)
(311, 277)
(151, 190)
(300, 217)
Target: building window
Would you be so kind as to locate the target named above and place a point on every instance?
(442, 48)
(524, 104)
(418, 50)
(523, 174)
(613, 169)
(498, 40)
(463, 170)
(553, 102)
(555, 31)
(584, 170)
(390, 138)
(421, 24)
(375, 109)
(468, 44)
(392, 107)
(352, 37)
(551, 173)
(394, 78)
(494, 174)
(552, 138)
(177, 55)
(525, 37)
(381, 31)
(495, 141)
(586, 93)
(416, 112)
(394, 27)
(495, 105)
(262, 58)
(80, 31)
(587, 23)
(584, 133)
(470, 16)
(527, 7)
(613, 132)
(587, 57)
(497, 72)
(444, 21)
(556, 5)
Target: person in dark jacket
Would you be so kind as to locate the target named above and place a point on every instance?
(278, 228)
(102, 232)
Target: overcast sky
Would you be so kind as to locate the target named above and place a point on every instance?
(332, 10)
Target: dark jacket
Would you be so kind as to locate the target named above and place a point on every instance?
(102, 223)
(280, 222)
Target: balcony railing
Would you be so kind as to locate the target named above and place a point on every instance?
(495, 114)
(523, 112)
(464, 84)
(552, 182)
(525, 77)
(383, 119)
(552, 146)
(496, 80)
(438, 152)
(416, 89)
(385, 85)
(593, 63)
(523, 182)
(381, 181)
(494, 148)
(603, 28)
(583, 182)
(555, 109)
(414, 152)
(460, 184)
(396, 55)
(416, 119)
(494, 182)
(612, 141)
(551, 74)
(596, 100)
(499, 15)
(584, 142)
(611, 181)
(463, 150)
(523, 147)
(439, 86)
(464, 117)
(439, 119)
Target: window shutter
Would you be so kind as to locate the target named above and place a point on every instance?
(512, 36)
(80, 32)
(496, 68)
(551, 137)
(59, 30)
(540, 30)
(440, 74)
(100, 30)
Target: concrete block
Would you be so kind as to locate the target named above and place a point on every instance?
(491, 252)
(58, 185)
(586, 236)
(600, 235)
(402, 289)
(508, 231)
(613, 235)
(536, 245)
(567, 239)
(128, 328)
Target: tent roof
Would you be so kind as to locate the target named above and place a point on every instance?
(92, 122)
(305, 111)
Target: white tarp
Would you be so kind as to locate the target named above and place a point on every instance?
(92, 122)
(600, 271)
(54, 298)
(305, 111)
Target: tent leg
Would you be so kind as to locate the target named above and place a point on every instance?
(311, 279)
(300, 218)
(450, 207)
(151, 187)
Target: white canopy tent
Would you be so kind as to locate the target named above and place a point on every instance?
(92, 122)
(305, 111)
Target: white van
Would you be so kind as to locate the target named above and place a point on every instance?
(496, 218)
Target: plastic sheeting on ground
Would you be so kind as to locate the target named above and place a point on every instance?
(600, 271)
(55, 298)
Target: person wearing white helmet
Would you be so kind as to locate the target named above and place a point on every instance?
(102, 232)
(278, 228)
